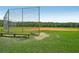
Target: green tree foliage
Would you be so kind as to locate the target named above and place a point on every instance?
(41, 24)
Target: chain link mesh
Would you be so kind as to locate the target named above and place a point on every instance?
(22, 20)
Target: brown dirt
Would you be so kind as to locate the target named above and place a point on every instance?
(41, 36)
(56, 29)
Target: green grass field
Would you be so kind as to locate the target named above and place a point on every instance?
(59, 41)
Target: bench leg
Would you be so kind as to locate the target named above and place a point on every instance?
(28, 35)
(14, 35)
(1, 34)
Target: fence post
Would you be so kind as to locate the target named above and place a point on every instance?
(8, 20)
(39, 18)
(22, 19)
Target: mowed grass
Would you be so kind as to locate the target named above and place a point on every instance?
(19, 30)
(58, 41)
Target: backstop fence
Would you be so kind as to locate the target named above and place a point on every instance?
(22, 20)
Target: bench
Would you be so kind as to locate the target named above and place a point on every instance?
(14, 35)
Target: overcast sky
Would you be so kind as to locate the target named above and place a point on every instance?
(50, 13)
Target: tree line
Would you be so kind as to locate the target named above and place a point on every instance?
(41, 24)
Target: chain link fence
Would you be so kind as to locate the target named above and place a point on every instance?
(22, 20)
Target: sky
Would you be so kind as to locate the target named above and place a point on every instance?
(47, 13)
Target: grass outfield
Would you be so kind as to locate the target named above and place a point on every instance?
(20, 30)
(32, 29)
(59, 41)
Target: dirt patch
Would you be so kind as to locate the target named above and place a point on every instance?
(41, 36)
(47, 28)
(56, 29)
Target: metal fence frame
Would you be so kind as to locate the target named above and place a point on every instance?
(6, 29)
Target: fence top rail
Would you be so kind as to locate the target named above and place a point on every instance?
(30, 7)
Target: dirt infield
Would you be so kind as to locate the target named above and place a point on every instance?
(57, 29)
